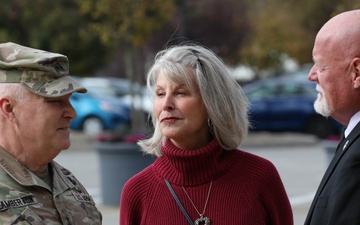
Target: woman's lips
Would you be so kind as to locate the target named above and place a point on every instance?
(169, 119)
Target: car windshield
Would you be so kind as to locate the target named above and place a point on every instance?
(101, 91)
(110, 87)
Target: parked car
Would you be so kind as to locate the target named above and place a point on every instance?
(97, 112)
(286, 104)
(120, 88)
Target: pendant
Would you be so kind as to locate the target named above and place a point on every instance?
(202, 220)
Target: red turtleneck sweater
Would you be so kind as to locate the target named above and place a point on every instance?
(246, 189)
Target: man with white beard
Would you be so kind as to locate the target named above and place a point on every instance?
(320, 104)
(336, 71)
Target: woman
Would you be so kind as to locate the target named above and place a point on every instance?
(200, 177)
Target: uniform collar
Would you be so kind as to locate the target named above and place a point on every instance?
(25, 177)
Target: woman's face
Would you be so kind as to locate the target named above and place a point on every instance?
(181, 115)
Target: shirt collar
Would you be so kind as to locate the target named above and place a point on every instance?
(352, 123)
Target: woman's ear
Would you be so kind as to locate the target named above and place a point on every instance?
(356, 72)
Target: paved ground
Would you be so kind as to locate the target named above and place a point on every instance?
(300, 160)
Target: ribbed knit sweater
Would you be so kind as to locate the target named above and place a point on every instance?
(246, 189)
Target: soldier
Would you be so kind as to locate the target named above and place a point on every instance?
(35, 115)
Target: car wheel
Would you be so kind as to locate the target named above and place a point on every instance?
(320, 126)
(92, 126)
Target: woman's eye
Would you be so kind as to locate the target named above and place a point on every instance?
(182, 92)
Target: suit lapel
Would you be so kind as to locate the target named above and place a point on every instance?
(340, 151)
(331, 167)
(342, 147)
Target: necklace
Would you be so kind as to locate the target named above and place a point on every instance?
(202, 219)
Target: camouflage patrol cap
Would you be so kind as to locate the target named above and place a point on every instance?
(43, 73)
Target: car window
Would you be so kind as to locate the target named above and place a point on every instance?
(294, 90)
(100, 91)
(274, 90)
(110, 87)
(298, 89)
(263, 91)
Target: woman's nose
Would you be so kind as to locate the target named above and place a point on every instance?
(168, 103)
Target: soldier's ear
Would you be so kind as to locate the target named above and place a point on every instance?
(6, 107)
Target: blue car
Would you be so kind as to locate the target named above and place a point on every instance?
(286, 104)
(96, 113)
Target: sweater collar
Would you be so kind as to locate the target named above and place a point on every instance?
(193, 167)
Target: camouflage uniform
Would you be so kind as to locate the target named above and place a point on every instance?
(24, 197)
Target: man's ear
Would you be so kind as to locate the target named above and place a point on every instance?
(355, 69)
(6, 107)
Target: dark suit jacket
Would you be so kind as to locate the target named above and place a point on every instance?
(337, 200)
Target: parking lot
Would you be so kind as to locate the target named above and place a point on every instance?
(300, 160)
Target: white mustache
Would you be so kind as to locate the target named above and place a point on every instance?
(318, 88)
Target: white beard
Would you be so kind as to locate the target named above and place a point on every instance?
(320, 104)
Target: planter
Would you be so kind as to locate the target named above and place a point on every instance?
(118, 162)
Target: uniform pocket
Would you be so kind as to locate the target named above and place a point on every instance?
(28, 217)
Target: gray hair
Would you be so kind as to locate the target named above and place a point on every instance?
(225, 102)
(16, 90)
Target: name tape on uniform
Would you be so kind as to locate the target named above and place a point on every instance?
(17, 202)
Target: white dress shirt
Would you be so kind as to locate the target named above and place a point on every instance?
(353, 121)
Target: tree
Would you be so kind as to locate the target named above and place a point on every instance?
(219, 25)
(54, 26)
(126, 25)
(286, 27)
(276, 32)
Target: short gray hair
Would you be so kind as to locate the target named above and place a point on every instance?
(223, 97)
(16, 90)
